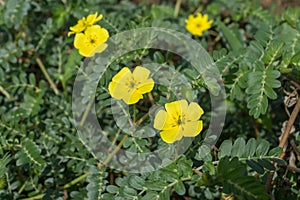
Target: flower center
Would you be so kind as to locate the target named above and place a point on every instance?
(198, 25)
(179, 121)
(131, 84)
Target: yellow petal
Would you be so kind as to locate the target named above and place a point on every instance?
(194, 112)
(192, 129)
(86, 51)
(98, 18)
(79, 27)
(124, 72)
(117, 90)
(141, 74)
(112, 90)
(97, 49)
(160, 120)
(146, 86)
(100, 35)
(164, 121)
(92, 18)
(79, 40)
(170, 136)
(176, 108)
(70, 33)
(131, 97)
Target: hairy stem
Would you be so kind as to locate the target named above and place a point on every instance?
(4, 92)
(177, 8)
(42, 67)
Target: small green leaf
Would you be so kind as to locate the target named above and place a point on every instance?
(238, 147)
(112, 189)
(225, 149)
(256, 166)
(266, 164)
(136, 182)
(277, 151)
(262, 148)
(179, 188)
(250, 148)
(230, 36)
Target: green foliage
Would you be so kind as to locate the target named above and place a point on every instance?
(257, 154)
(255, 48)
(234, 180)
(30, 153)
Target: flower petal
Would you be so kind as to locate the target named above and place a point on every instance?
(192, 129)
(123, 73)
(146, 86)
(70, 33)
(176, 108)
(86, 51)
(170, 136)
(79, 40)
(160, 120)
(116, 92)
(97, 49)
(99, 34)
(92, 18)
(141, 74)
(194, 112)
(131, 97)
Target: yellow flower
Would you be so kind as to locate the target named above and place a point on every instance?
(130, 87)
(179, 119)
(196, 25)
(85, 22)
(91, 41)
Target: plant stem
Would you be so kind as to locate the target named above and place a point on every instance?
(200, 7)
(177, 8)
(75, 181)
(40, 196)
(134, 114)
(4, 92)
(289, 125)
(283, 141)
(151, 99)
(85, 114)
(113, 153)
(42, 67)
(144, 117)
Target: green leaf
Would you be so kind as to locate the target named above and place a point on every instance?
(266, 164)
(112, 189)
(231, 168)
(262, 148)
(230, 36)
(151, 196)
(238, 147)
(277, 151)
(15, 12)
(30, 153)
(246, 188)
(136, 182)
(96, 183)
(129, 192)
(225, 149)
(3, 162)
(250, 148)
(180, 188)
(256, 166)
(156, 185)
